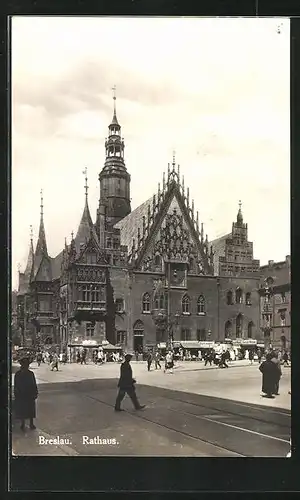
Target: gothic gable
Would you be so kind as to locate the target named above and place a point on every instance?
(91, 253)
(174, 235)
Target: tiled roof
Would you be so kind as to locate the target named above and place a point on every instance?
(129, 225)
(56, 265)
(85, 228)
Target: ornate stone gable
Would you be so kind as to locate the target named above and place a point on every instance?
(91, 253)
(174, 237)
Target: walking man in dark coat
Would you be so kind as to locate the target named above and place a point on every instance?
(126, 385)
(25, 392)
(269, 372)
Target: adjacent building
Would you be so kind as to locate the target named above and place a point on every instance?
(275, 306)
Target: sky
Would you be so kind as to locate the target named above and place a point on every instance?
(215, 90)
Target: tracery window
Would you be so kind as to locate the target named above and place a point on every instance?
(238, 296)
(239, 326)
(248, 299)
(185, 303)
(201, 305)
(146, 303)
(229, 298)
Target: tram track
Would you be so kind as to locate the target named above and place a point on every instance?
(142, 416)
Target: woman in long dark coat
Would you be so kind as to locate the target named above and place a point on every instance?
(25, 392)
(269, 376)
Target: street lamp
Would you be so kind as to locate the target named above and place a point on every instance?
(267, 312)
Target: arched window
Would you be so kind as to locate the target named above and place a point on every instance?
(229, 298)
(185, 304)
(228, 329)
(238, 295)
(248, 298)
(201, 305)
(160, 301)
(146, 303)
(239, 325)
(138, 328)
(250, 330)
(157, 261)
(283, 341)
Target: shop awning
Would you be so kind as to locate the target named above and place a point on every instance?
(110, 347)
(191, 344)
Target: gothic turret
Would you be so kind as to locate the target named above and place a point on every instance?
(86, 226)
(114, 179)
(29, 265)
(41, 260)
(239, 229)
(239, 218)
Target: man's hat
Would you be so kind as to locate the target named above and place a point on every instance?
(128, 355)
(24, 361)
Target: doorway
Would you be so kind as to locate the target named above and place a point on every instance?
(138, 336)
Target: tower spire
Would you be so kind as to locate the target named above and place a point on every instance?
(41, 246)
(29, 265)
(239, 218)
(174, 161)
(42, 204)
(86, 184)
(114, 120)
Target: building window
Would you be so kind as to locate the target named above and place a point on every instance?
(229, 298)
(283, 341)
(228, 329)
(283, 297)
(91, 258)
(115, 244)
(121, 337)
(250, 330)
(185, 334)
(282, 319)
(238, 296)
(185, 304)
(248, 299)
(108, 242)
(160, 301)
(201, 334)
(239, 326)
(201, 305)
(119, 305)
(90, 293)
(157, 261)
(115, 260)
(146, 303)
(90, 329)
(86, 293)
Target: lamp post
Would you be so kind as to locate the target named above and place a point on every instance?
(267, 312)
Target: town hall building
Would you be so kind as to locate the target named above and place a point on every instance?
(140, 277)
